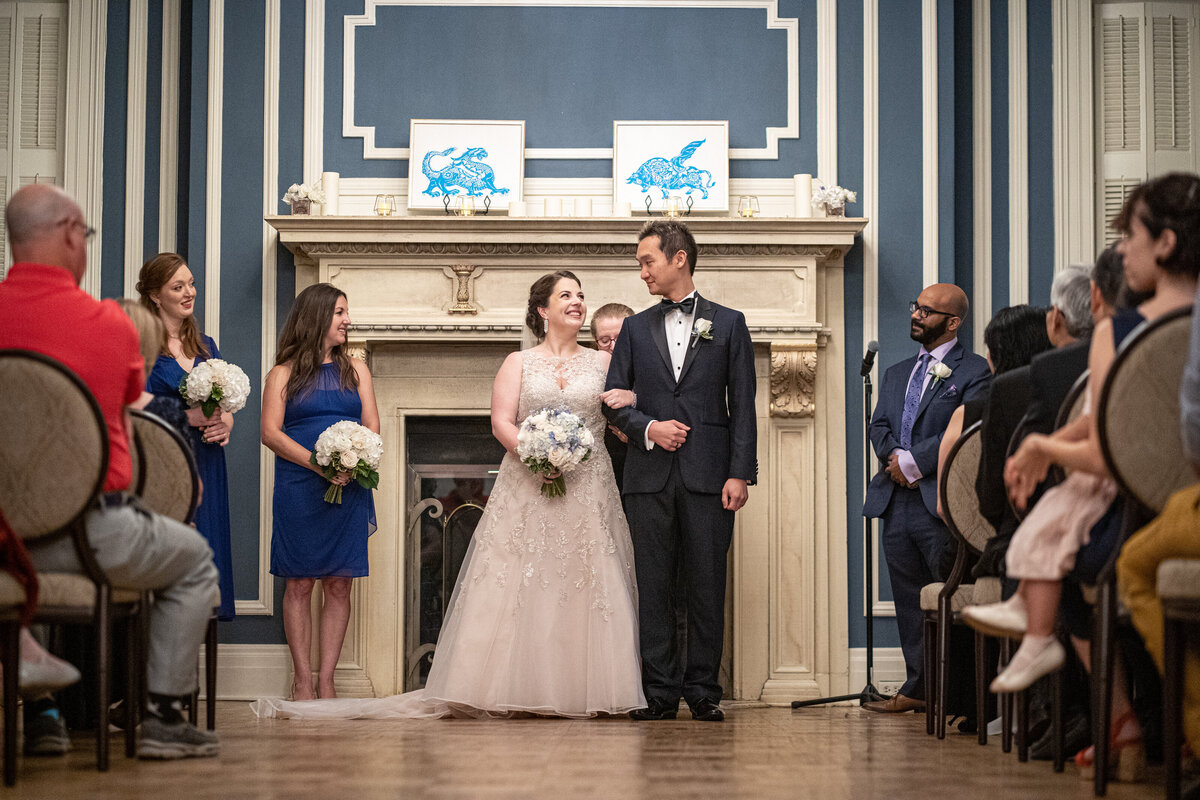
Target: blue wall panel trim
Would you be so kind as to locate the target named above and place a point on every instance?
(1001, 257)
(152, 153)
(195, 247)
(1041, 151)
(241, 261)
(946, 63)
(964, 163)
(112, 216)
(569, 72)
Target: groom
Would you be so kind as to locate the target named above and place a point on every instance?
(692, 436)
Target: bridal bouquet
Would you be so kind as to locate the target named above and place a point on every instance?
(348, 447)
(215, 383)
(553, 440)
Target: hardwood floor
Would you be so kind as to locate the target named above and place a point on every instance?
(758, 752)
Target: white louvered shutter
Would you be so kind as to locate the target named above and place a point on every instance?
(1146, 95)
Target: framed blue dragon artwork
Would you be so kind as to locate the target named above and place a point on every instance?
(653, 161)
(450, 158)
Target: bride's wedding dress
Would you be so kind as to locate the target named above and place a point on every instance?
(544, 616)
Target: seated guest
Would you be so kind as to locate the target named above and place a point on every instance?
(1171, 535)
(150, 333)
(606, 326)
(1160, 222)
(42, 308)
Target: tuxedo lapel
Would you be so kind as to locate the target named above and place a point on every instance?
(703, 311)
(658, 333)
(952, 360)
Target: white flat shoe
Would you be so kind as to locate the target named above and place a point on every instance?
(47, 674)
(1024, 670)
(1006, 620)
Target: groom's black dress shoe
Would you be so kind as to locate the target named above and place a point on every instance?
(656, 710)
(707, 711)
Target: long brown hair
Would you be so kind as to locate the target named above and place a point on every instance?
(154, 275)
(302, 340)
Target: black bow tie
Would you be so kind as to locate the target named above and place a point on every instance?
(686, 305)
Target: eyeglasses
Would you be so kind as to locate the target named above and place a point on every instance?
(88, 230)
(605, 341)
(924, 311)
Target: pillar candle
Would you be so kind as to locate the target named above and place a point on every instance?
(554, 207)
(329, 185)
(803, 195)
(583, 206)
(516, 209)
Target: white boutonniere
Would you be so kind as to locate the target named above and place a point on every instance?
(701, 330)
(940, 372)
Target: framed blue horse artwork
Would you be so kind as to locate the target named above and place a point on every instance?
(655, 161)
(482, 159)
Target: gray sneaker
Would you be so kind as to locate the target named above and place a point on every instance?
(159, 740)
(46, 735)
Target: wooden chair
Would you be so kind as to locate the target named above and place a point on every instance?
(53, 462)
(167, 482)
(1178, 583)
(942, 603)
(1148, 465)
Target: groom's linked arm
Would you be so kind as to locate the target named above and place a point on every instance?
(743, 423)
(628, 420)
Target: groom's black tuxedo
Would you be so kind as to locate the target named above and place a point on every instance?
(673, 499)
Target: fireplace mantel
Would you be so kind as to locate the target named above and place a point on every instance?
(438, 302)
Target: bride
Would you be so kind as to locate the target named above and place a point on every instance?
(543, 618)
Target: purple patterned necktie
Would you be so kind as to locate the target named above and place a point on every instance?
(912, 401)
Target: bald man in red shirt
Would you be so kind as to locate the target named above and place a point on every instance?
(43, 309)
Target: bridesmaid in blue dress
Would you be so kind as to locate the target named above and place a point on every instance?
(314, 384)
(165, 286)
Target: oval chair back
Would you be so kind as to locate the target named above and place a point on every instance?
(167, 481)
(960, 501)
(53, 444)
(1147, 461)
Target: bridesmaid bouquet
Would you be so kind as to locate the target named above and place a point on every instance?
(553, 440)
(215, 383)
(347, 446)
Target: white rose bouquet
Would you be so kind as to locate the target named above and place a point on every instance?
(832, 196)
(553, 441)
(303, 191)
(215, 383)
(347, 446)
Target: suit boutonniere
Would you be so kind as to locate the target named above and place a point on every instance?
(940, 372)
(701, 330)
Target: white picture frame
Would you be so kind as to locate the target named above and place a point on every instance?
(661, 159)
(445, 161)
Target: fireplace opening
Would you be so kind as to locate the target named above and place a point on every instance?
(452, 464)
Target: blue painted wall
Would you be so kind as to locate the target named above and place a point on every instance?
(569, 72)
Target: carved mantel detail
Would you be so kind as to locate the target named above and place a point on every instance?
(793, 380)
(463, 290)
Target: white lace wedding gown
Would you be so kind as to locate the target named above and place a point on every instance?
(544, 616)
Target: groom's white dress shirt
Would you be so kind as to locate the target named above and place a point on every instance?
(678, 327)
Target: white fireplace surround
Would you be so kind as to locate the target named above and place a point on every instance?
(437, 303)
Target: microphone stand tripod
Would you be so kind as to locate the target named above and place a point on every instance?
(869, 694)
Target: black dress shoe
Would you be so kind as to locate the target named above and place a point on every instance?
(707, 711)
(1077, 735)
(657, 710)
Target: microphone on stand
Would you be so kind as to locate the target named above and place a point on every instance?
(869, 359)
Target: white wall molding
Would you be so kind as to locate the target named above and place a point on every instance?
(314, 94)
(213, 166)
(168, 155)
(1018, 153)
(264, 603)
(870, 234)
(929, 142)
(1074, 135)
(83, 161)
(827, 92)
(981, 70)
(251, 671)
(135, 142)
(889, 669)
(773, 133)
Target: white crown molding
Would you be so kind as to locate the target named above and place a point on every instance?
(135, 141)
(981, 71)
(314, 93)
(1018, 153)
(929, 141)
(774, 133)
(213, 165)
(264, 603)
(168, 155)
(827, 91)
(1074, 135)
(83, 162)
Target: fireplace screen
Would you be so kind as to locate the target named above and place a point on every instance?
(452, 468)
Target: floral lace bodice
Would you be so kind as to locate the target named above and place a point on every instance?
(573, 383)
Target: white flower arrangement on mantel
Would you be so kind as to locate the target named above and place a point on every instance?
(301, 196)
(833, 199)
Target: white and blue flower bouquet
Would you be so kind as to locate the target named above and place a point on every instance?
(552, 442)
